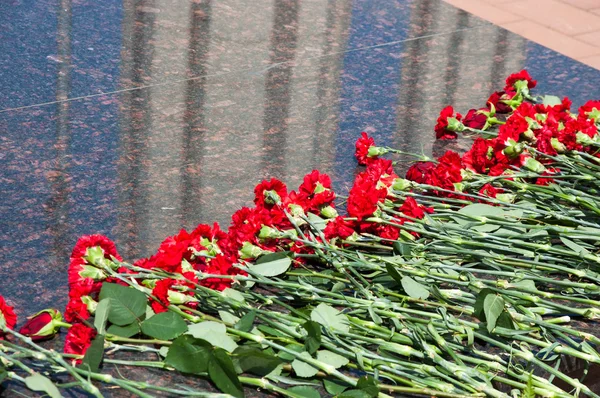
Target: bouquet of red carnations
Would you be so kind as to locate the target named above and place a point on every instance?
(475, 275)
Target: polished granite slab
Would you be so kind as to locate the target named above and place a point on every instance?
(137, 118)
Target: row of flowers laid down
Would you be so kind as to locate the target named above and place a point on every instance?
(522, 141)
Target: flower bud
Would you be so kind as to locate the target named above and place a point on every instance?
(533, 165)
(558, 146)
(271, 197)
(250, 251)
(401, 184)
(584, 139)
(375, 151)
(329, 212)
(267, 232)
(455, 125)
(43, 325)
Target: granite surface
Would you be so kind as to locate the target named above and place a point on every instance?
(135, 118)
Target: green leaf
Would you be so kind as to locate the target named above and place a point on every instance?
(222, 373)
(478, 307)
(40, 383)
(414, 289)
(189, 355)
(505, 321)
(335, 386)
(331, 358)
(101, 316)
(292, 347)
(234, 294)
(574, 246)
(228, 317)
(3, 375)
(401, 249)
(369, 385)
(312, 342)
(328, 316)
(493, 305)
(93, 356)
(164, 326)
(213, 332)
(127, 304)
(354, 394)
(318, 222)
(479, 210)
(125, 331)
(393, 273)
(525, 283)
(272, 268)
(246, 323)
(255, 361)
(303, 369)
(305, 391)
(338, 286)
(551, 100)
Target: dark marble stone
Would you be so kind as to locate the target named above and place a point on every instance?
(203, 99)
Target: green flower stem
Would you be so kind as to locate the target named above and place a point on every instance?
(112, 337)
(41, 353)
(529, 357)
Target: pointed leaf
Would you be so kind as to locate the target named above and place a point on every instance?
(101, 316)
(213, 332)
(189, 355)
(414, 289)
(312, 342)
(93, 356)
(164, 326)
(330, 317)
(125, 331)
(127, 304)
(493, 305)
(246, 323)
(255, 361)
(272, 268)
(331, 358)
(222, 373)
(335, 386)
(40, 383)
(305, 391)
(303, 369)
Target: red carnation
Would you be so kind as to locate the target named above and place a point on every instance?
(78, 263)
(478, 158)
(339, 228)
(161, 292)
(590, 110)
(78, 340)
(447, 124)
(548, 172)
(7, 316)
(220, 265)
(315, 191)
(489, 190)
(497, 98)
(269, 193)
(362, 148)
(515, 77)
(420, 171)
(364, 196)
(411, 208)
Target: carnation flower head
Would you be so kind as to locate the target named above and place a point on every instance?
(448, 124)
(519, 76)
(78, 340)
(362, 148)
(7, 316)
(270, 192)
